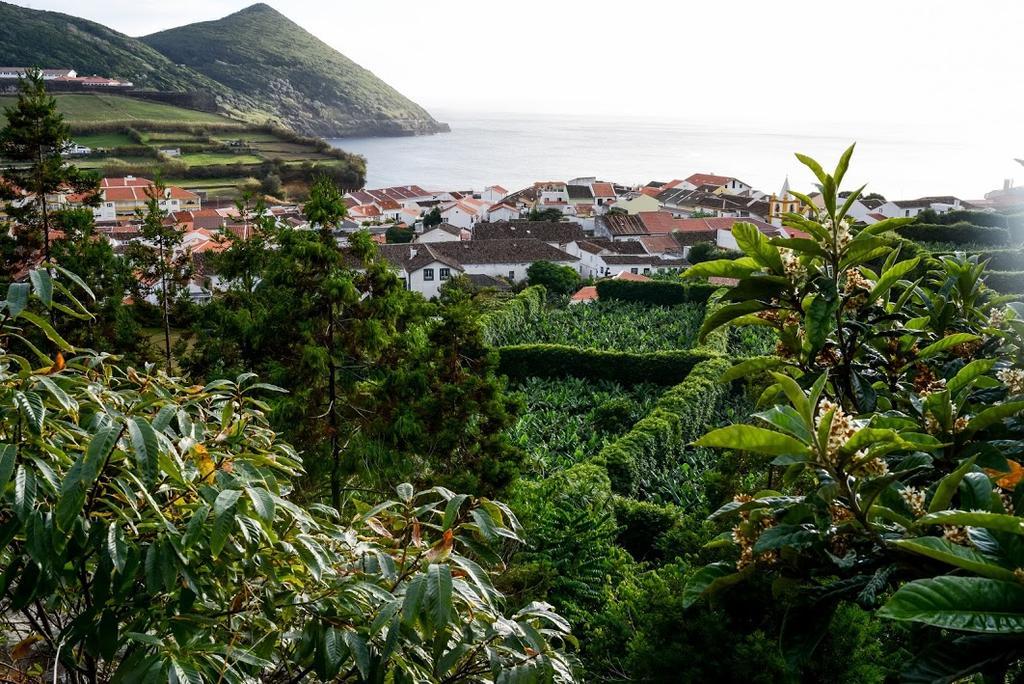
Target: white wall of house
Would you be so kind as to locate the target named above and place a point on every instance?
(429, 279)
(437, 235)
(106, 211)
(512, 271)
(502, 213)
(492, 194)
(638, 204)
(457, 216)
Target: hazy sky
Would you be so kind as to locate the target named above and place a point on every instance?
(932, 62)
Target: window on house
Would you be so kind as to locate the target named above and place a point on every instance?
(446, 273)
(647, 271)
(428, 274)
(634, 270)
(908, 212)
(511, 275)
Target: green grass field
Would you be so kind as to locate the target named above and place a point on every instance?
(97, 163)
(104, 140)
(210, 158)
(94, 108)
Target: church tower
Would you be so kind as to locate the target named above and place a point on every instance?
(783, 203)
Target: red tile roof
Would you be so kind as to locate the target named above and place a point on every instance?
(627, 275)
(699, 179)
(603, 190)
(585, 294)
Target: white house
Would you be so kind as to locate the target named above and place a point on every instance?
(444, 232)
(464, 213)
(502, 212)
(424, 267)
(493, 194)
(73, 149)
(910, 208)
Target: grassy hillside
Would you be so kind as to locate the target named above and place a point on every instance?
(100, 108)
(55, 40)
(313, 88)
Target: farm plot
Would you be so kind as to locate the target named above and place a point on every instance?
(569, 420)
(614, 326)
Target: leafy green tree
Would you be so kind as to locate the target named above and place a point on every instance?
(325, 209)
(163, 266)
(32, 142)
(893, 417)
(550, 214)
(444, 411)
(399, 234)
(432, 218)
(555, 278)
(112, 326)
(150, 534)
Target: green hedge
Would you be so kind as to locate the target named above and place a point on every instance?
(558, 361)
(655, 292)
(660, 439)
(957, 233)
(526, 305)
(978, 218)
(1007, 282)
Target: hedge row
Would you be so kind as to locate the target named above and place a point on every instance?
(978, 218)
(515, 313)
(661, 438)
(1007, 282)
(681, 415)
(654, 292)
(962, 233)
(558, 361)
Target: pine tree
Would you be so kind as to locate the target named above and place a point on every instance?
(33, 140)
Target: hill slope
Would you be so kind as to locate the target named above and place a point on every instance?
(258, 65)
(311, 87)
(55, 40)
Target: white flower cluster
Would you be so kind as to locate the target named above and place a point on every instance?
(839, 432)
(841, 231)
(1013, 378)
(914, 499)
(998, 316)
(791, 264)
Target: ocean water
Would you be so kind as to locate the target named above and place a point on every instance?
(901, 161)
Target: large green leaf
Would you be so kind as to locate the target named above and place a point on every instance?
(8, 458)
(781, 536)
(722, 268)
(262, 503)
(17, 298)
(48, 330)
(42, 284)
(993, 415)
(756, 439)
(145, 447)
(947, 342)
(752, 367)
(1000, 522)
(948, 486)
(723, 315)
(891, 276)
(439, 594)
(969, 604)
(755, 245)
(30, 404)
(943, 550)
(709, 579)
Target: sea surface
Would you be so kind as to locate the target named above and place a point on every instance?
(901, 161)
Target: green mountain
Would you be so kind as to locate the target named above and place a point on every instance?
(309, 85)
(259, 65)
(55, 40)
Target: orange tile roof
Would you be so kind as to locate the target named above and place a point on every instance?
(585, 294)
(603, 190)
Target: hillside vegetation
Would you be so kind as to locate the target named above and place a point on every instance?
(312, 86)
(87, 108)
(287, 77)
(55, 40)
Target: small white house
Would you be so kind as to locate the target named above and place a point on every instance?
(502, 212)
(444, 232)
(493, 193)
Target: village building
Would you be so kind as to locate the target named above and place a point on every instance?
(424, 267)
(558, 234)
(443, 232)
